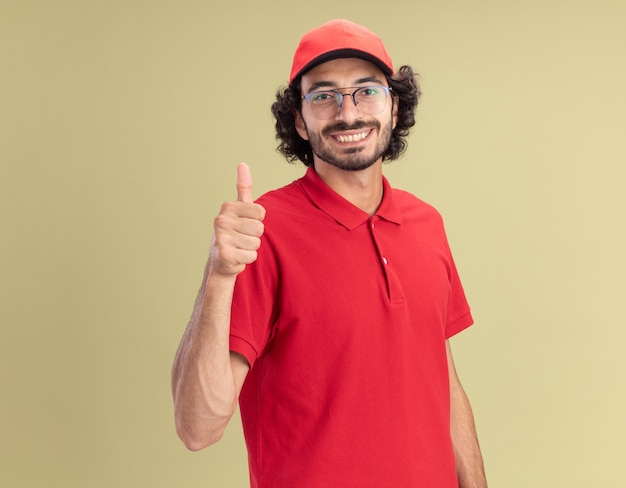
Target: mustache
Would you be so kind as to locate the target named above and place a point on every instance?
(342, 126)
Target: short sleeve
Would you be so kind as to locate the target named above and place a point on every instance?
(459, 316)
(254, 305)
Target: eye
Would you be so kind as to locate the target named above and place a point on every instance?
(322, 97)
(369, 91)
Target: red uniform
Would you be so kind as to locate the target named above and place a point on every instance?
(343, 319)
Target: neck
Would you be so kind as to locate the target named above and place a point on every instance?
(363, 189)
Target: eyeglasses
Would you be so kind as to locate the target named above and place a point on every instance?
(370, 100)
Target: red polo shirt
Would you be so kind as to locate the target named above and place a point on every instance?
(343, 319)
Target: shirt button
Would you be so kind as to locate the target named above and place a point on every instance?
(384, 260)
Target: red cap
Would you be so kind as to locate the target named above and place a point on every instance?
(339, 39)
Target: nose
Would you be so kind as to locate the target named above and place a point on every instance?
(348, 109)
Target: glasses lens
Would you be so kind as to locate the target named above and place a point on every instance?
(324, 104)
(370, 100)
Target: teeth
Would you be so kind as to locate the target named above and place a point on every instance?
(352, 137)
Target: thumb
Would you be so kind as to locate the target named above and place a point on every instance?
(244, 183)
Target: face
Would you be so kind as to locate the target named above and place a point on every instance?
(350, 141)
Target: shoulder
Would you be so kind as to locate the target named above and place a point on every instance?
(286, 199)
(278, 195)
(412, 206)
(286, 208)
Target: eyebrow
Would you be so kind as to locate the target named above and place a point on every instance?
(330, 84)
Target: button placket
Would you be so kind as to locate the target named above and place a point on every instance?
(394, 290)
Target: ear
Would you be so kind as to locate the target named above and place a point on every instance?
(300, 125)
(394, 111)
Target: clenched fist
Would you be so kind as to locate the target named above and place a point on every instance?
(237, 229)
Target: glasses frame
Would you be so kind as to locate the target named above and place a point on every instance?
(339, 97)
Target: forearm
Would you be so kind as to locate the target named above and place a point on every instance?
(206, 377)
(469, 461)
(203, 384)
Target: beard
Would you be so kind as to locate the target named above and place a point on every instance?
(354, 158)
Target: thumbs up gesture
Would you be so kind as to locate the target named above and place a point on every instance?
(237, 229)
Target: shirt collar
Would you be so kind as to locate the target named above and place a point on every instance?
(340, 209)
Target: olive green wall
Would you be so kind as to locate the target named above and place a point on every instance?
(121, 123)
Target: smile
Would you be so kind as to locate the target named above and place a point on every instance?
(352, 137)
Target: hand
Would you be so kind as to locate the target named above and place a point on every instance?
(238, 229)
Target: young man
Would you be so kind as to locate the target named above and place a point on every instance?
(327, 305)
